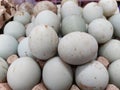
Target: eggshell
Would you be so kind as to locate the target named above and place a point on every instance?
(57, 75)
(92, 76)
(23, 74)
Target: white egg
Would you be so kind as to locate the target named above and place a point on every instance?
(14, 29)
(92, 11)
(70, 8)
(43, 42)
(8, 46)
(23, 48)
(3, 70)
(48, 18)
(73, 23)
(109, 7)
(22, 17)
(57, 75)
(29, 28)
(114, 72)
(115, 20)
(92, 76)
(23, 74)
(101, 29)
(110, 50)
(77, 48)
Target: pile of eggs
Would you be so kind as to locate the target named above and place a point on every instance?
(62, 46)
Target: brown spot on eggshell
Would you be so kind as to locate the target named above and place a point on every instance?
(4, 86)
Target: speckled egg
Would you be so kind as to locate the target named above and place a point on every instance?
(77, 48)
(43, 42)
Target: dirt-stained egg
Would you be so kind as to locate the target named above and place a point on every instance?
(77, 48)
(22, 16)
(43, 42)
(92, 76)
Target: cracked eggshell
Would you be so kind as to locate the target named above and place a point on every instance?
(43, 42)
(109, 7)
(110, 50)
(114, 72)
(57, 75)
(8, 46)
(14, 29)
(3, 70)
(101, 29)
(23, 74)
(22, 16)
(47, 17)
(77, 48)
(24, 49)
(73, 23)
(115, 20)
(92, 11)
(70, 8)
(92, 76)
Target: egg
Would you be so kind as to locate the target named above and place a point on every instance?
(92, 11)
(44, 5)
(110, 50)
(8, 46)
(73, 23)
(114, 72)
(57, 75)
(29, 28)
(70, 8)
(47, 17)
(43, 42)
(23, 74)
(77, 48)
(115, 22)
(14, 29)
(24, 49)
(109, 7)
(101, 29)
(3, 70)
(92, 76)
(22, 17)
